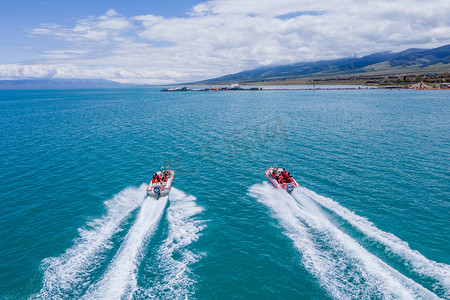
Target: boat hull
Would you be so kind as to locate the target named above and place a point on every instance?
(161, 189)
(287, 186)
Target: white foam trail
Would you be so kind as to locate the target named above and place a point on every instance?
(120, 279)
(66, 275)
(343, 267)
(420, 264)
(174, 258)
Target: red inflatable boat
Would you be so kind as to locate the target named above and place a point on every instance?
(161, 183)
(281, 179)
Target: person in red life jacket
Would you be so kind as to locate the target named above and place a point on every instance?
(290, 177)
(286, 176)
(276, 177)
(155, 178)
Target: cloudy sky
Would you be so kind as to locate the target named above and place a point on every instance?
(170, 41)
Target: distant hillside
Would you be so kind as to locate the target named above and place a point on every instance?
(60, 84)
(409, 61)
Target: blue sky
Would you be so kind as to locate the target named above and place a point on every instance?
(177, 41)
(18, 17)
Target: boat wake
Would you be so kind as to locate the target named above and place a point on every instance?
(66, 276)
(91, 270)
(342, 266)
(174, 258)
(437, 272)
(120, 279)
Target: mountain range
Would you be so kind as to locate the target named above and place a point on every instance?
(407, 62)
(411, 61)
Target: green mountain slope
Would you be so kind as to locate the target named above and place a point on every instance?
(408, 61)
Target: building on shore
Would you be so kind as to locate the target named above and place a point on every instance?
(421, 86)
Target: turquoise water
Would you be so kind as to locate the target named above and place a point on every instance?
(370, 221)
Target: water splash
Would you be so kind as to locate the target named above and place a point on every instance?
(66, 276)
(342, 266)
(173, 257)
(120, 278)
(420, 264)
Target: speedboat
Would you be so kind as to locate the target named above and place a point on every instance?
(281, 179)
(161, 183)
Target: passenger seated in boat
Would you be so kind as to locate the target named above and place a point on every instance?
(287, 176)
(155, 178)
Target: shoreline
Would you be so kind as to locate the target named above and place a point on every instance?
(297, 88)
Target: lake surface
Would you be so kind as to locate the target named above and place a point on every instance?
(370, 220)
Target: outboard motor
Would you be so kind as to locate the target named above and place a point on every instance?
(290, 187)
(157, 191)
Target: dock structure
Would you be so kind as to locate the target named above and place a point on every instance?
(420, 86)
(224, 88)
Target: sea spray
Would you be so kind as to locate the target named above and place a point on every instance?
(174, 257)
(439, 272)
(120, 278)
(342, 266)
(69, 274)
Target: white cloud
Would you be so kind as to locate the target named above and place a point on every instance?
(109, 25)
(14, 71)
(226, 36)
